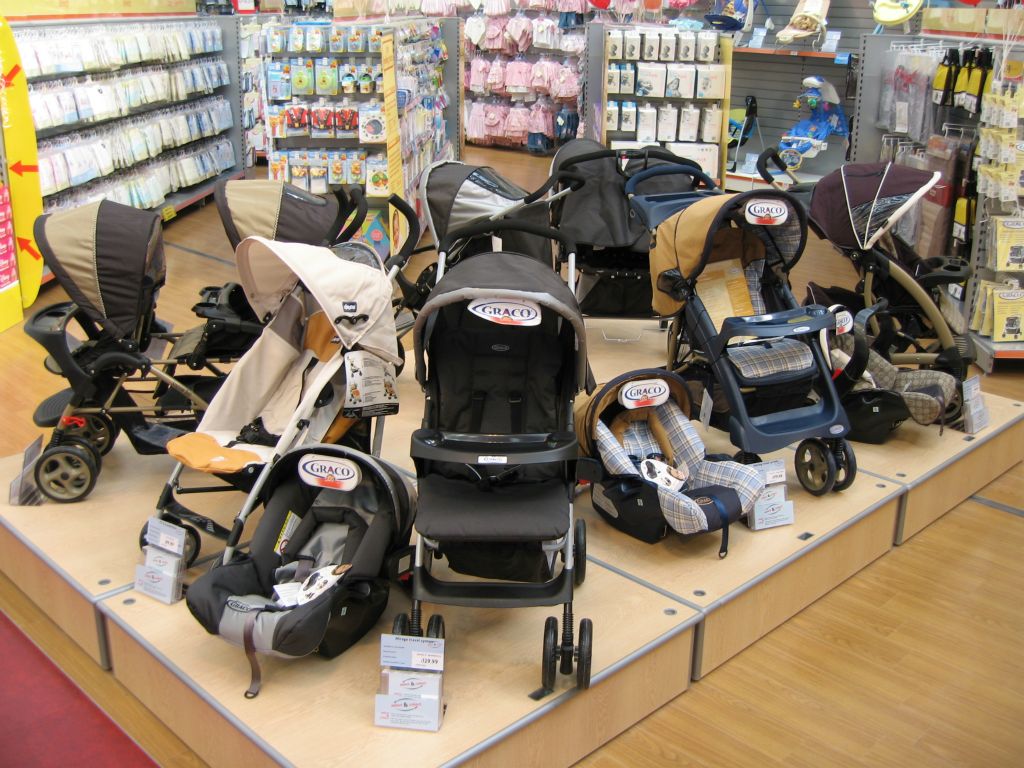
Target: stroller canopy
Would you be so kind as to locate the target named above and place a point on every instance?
(857, 204)
(355, 297)
(109, 258)
(598, 213)
(769, 225)
(276, 211)
(506, 278)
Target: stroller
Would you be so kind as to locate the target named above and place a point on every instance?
(335, 519)
(323, 366)
(110, 260)
(775, 389)
(876, 196)
(500, 350)
(655, 474)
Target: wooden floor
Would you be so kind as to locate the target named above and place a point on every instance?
(912, 662)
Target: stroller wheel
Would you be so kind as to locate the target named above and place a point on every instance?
(579, 552)
(192, 542)
(584, 652)
(400, 626)
(549, 662)
(815, 466)
(955, 406)
(96, 428)
(846, 465)
(745, 457)
(67, 472)
(435, 627)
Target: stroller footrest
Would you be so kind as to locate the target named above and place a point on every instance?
(48, 412)
(491, 594)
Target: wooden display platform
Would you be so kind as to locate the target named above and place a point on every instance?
(768, 576)
(67, 557)
(940, 471)
(317, 712)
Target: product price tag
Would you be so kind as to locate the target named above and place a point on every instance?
(706, 405)
(772, 472)
(412, 652)
(23, 490)
(167, 212)
(831, 41)
(167, 536)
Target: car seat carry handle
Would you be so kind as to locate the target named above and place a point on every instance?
(858, 362)
(762, 166)
(696, 174)
(792, 322)
(497, 226)
(356, 202)
(413, 221)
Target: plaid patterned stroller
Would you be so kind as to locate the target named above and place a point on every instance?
(775, 387)
(638, 426)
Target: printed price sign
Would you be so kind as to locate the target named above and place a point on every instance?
(167, 212)
(412, 652)
(167, 536)
(421, 660)
(831, 41)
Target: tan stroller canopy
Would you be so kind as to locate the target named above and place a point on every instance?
(276, 211)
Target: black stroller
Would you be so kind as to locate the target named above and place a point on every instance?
(876, 196)
(775, 389)
(110, 260)
(501, 352)
(613, 262)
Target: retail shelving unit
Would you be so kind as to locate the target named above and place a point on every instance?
(402, 73)
(228, 52)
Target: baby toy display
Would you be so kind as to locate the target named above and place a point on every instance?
(810, 136)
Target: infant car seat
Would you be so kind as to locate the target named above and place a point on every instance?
(878, 396)
(316, 574)
(635, 425)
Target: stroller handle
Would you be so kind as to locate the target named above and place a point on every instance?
(349, 199)
(504, 225)
(655, 153)
(575, 181)
(400, 258)
(696, 174)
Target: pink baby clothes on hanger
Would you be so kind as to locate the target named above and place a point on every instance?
(497, 7)
(494, 35)
(494, 120)
(542, 119)
(519, 32)
(479, 68)
(496, 77)
(517, 77)
(475, 129)
(545, 32)
(571, 6)
(542, 73)
(566, 84)
(540, 5)
(476, 27)
(517, 124)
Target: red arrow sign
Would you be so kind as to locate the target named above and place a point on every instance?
(21, 169)
(9, 77)
(25, 244)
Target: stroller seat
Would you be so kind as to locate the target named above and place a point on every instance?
(461, 510)
(771, 361)
(214, 452)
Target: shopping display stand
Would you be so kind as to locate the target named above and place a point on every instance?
(940, 471)
(68, 557)
(313, 712)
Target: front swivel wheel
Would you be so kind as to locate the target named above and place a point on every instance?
(815, 466)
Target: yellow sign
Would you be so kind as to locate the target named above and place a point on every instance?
(22, 165)
(398, 228)
(168, 212)
(66, 9)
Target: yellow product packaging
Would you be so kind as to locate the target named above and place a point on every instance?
(1008, 237)
(1007, 312)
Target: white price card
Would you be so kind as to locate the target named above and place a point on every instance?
(412, 652)
(421, 660)
(831, 41)
(167, 536)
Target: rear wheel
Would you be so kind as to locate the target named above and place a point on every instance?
(815, 466)
(846, 465)
(579, 552)
(584, 653)
(96, 428)
(66, 473)
(549, 661)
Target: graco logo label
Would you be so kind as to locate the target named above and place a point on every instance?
(1013, 224)
(767, 212)
(349, 306)
(238, 605)
(519, 312)
(329, 472)
(644, 393)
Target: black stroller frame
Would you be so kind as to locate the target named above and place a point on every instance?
(437, 447)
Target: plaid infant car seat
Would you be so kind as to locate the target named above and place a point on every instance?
(637, 426)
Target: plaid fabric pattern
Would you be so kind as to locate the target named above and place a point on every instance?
(680, 511)
(926, 393)
(761, 359)
(753, 272)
